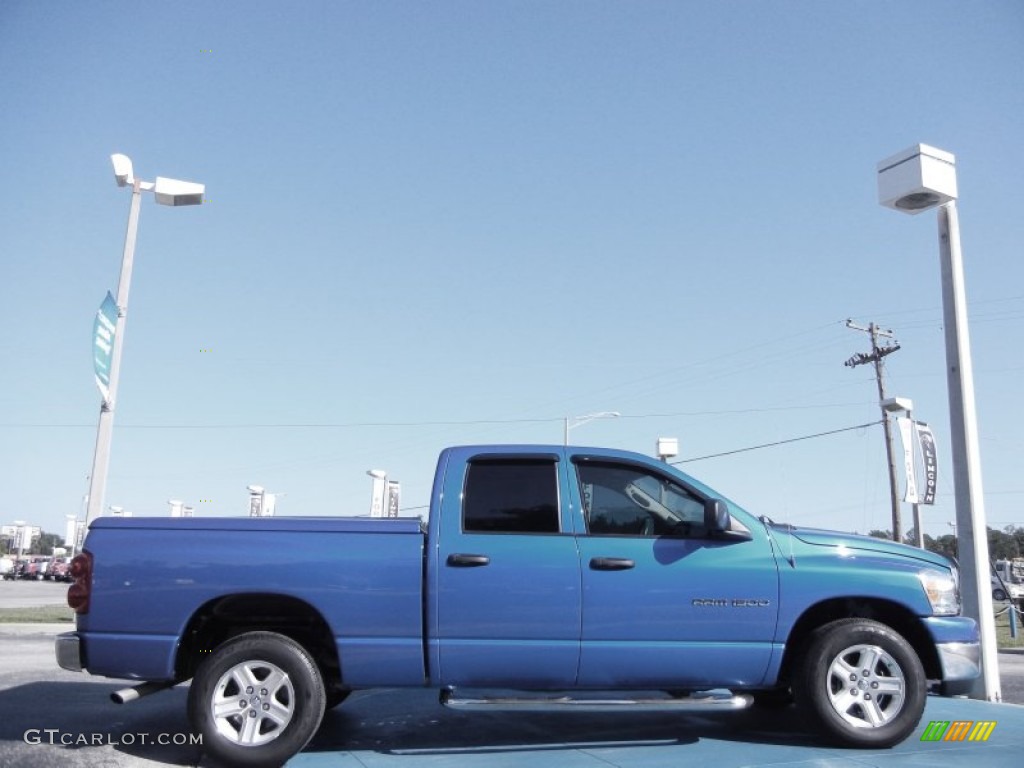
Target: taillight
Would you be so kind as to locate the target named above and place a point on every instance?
(81, 572)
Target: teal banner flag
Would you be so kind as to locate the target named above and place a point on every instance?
(103, 330)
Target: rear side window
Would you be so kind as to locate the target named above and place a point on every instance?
(511, 496)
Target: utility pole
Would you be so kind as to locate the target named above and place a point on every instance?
(876, 355)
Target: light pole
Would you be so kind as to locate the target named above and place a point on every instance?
(378, 492)
(167, 192)
(915, 180)
(70, 531)
(576, 421)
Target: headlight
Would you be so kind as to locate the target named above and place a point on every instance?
(942, 592)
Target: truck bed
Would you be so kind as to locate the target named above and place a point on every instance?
(151, 574)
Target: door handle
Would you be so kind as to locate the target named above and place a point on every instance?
(611, 564)
(468, 561)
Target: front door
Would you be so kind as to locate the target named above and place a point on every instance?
(665, 605)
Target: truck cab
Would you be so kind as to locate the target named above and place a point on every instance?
(628, 582)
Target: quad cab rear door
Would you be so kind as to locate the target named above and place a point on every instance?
(504, 572)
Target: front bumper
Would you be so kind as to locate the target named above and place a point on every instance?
(68, 648)
(961, 664)
(959, 650)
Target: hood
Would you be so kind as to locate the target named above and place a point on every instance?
(856, 542)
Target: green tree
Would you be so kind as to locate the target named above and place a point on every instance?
(46, 542)
(944, 545)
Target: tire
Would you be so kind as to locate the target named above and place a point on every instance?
(861, 683)
(998, 595)
(257, 700)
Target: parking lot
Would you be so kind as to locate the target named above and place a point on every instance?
(42, 705)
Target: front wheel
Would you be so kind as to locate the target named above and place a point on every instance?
(862, 683)
(257, 700)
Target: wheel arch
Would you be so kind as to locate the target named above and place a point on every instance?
(892, 614)
(228, 616)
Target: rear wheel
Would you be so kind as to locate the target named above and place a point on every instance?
(862, 683)
(257, 700)
(998, 594)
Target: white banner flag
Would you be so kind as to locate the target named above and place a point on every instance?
(380, 484)
(907, 438)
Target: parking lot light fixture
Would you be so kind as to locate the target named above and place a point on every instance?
(667, 448)
(170, 192)
(915, 180)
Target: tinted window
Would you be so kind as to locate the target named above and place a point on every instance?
(511, 496)
(627, 500)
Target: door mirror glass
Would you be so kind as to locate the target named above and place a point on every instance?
(716, 516)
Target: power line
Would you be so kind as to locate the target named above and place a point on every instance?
(777, 442)
(468, 422)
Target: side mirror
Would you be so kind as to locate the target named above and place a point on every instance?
(718, 522)
(716, 516)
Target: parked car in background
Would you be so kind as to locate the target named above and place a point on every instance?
(26, 568)
(6, 568)
(35, 568)
(1003, 590)
(59, 569)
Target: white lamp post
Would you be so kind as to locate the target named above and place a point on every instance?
(167, 192)
(915, 180)
(378, 492)
(576, 421)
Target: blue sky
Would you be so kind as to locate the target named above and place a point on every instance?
(459, 222)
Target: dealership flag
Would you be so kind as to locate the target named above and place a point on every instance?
(378, 494)
(907, 438)
(394, 497)
(103, 329)
(927, 440)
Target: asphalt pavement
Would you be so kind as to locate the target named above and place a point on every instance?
(29, 594)
(49, 716)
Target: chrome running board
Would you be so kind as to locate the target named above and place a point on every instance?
(702, 701)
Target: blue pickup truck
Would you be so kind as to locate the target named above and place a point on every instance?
(544, 577)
